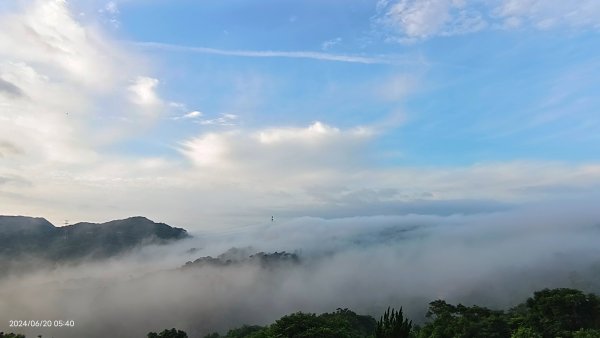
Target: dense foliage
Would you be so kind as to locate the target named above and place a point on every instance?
(172, 333)
(564, 313)
(393, 325)
(236, 257)
(11, 335)
(340, 324)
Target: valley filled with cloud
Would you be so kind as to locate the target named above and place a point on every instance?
(413, 151)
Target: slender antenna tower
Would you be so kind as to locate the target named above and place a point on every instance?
(66, 232)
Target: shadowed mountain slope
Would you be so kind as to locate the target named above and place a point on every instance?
(29, 237)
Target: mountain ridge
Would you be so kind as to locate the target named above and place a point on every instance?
(35, 238)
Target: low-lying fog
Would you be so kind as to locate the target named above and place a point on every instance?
(365, 264)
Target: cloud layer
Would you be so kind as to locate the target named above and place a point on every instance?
(364, 263)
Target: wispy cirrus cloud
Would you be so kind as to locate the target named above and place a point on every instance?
(223, 120)
(274, 53)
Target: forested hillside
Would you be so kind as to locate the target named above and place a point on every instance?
(27, 240)
(565, 313)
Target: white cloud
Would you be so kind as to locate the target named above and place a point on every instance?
(178, 105)
(192, 114)
(547, 14)
(273, 54)
(143, 91)
(410, 20)
(277, 151)
(414, 19)
(7, 149)
(111, 7)
(110, 12)
(419, 19)
(45, 33)
(223, 120)
(63, 94)
(330, 43)
(143, 94)
(313, 133)
(44, 121)
(209, 150)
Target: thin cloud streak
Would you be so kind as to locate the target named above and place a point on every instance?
(273, 53)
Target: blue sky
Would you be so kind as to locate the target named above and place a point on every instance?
(187, 109)
(492, 95)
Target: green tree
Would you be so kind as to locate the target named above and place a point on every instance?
(564, 313)
(11, 335)
(449, 321)
(297, 325)
(561, 312)
(393, 325)
(589, 333)
(172, 333)
(352, 324)
(342, 323)
(244, 331)
(525, 332)
(213, 335)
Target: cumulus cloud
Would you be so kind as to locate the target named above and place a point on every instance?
(60, 74)
(45, 33)
(143, 94)
(273, 149)
(143, 91)
(410, 20)
(207, 150)
(243, 176)
(313, 133)
(66, 90)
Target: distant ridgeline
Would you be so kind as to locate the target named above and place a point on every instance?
(29, 237)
